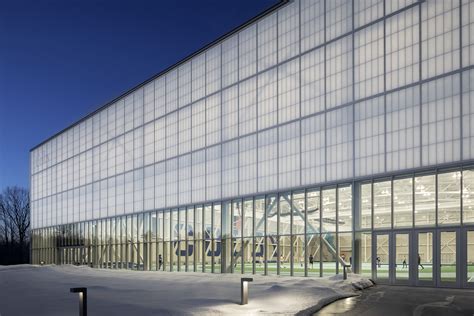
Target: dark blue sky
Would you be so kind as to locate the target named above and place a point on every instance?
(61, 59)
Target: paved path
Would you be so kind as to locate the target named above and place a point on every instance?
(402, 300)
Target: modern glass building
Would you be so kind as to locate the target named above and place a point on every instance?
(317, 135)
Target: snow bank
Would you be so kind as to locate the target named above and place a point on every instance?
(44, 290)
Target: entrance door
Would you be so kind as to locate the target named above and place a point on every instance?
(381, 264)
(393, 259)
(437, 257)
(448, 258)
(468, 260)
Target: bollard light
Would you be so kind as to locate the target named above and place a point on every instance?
(82, 299)
(345, 271)
(244, 290)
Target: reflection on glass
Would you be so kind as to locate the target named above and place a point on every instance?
(448, 271)
(365, 253)
(248, 218)
(449, 198)
(402, 256)
(425, 212)
(272, 254)
(425, 256)
(248, 256)
(298, 255)
(382, 262)
(403, 202)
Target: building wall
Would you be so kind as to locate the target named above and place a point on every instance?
(316, 92)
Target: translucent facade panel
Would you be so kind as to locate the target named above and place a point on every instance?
(172, 182)
(247, 106)
(198, 77)
(160, 185)
(198, 125)
(312, 82)
(184, 130)
(184, 83)
(449, 198)
(382, 208)
(267, 42)
(366, 11)
(313, 153)
(267, 99)
(403, 129)
(338, 18)
(468, 196)
(230, 168)
(312, 23)
(468, 114)
(289, 91)
(230, 60)
(288, 31)
(160, 139)
(184, 178)
(425, 200)
(369, 137)
(369, 61)
(247, 52)
(392, 6)
(268, 160)
(289, 155)
(248, 164)
(213, 69)
(403, 202)
(339, 139)
(171, 91)
(441, 121)
(440, 43)
(339, 71)
(402, 49)
(198, 176)
(213, 119)
(467, 31)
(213, 172)
(230, 113)
(172, 135)
(160, 97)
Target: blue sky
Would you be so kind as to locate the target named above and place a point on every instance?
(62, 59)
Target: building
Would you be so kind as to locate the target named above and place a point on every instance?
(317, 135)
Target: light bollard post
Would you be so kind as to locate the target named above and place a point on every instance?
(82, 299)
(244, 290)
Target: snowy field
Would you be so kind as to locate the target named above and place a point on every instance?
(35, 290)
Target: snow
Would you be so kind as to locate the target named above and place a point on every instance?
(44, 290)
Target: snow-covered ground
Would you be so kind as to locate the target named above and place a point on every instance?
(35, 290)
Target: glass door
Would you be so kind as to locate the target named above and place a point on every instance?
(402, 258)
(381, 264)
(468, 249)
(448, 255)
(424, 258)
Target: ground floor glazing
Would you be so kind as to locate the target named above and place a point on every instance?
(415, 229)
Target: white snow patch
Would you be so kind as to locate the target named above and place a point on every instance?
(44, 290)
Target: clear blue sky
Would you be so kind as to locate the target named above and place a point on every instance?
(62, 59)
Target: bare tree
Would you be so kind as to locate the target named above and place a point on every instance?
(15, 218)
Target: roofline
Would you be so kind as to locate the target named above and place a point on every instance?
(175, 65)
